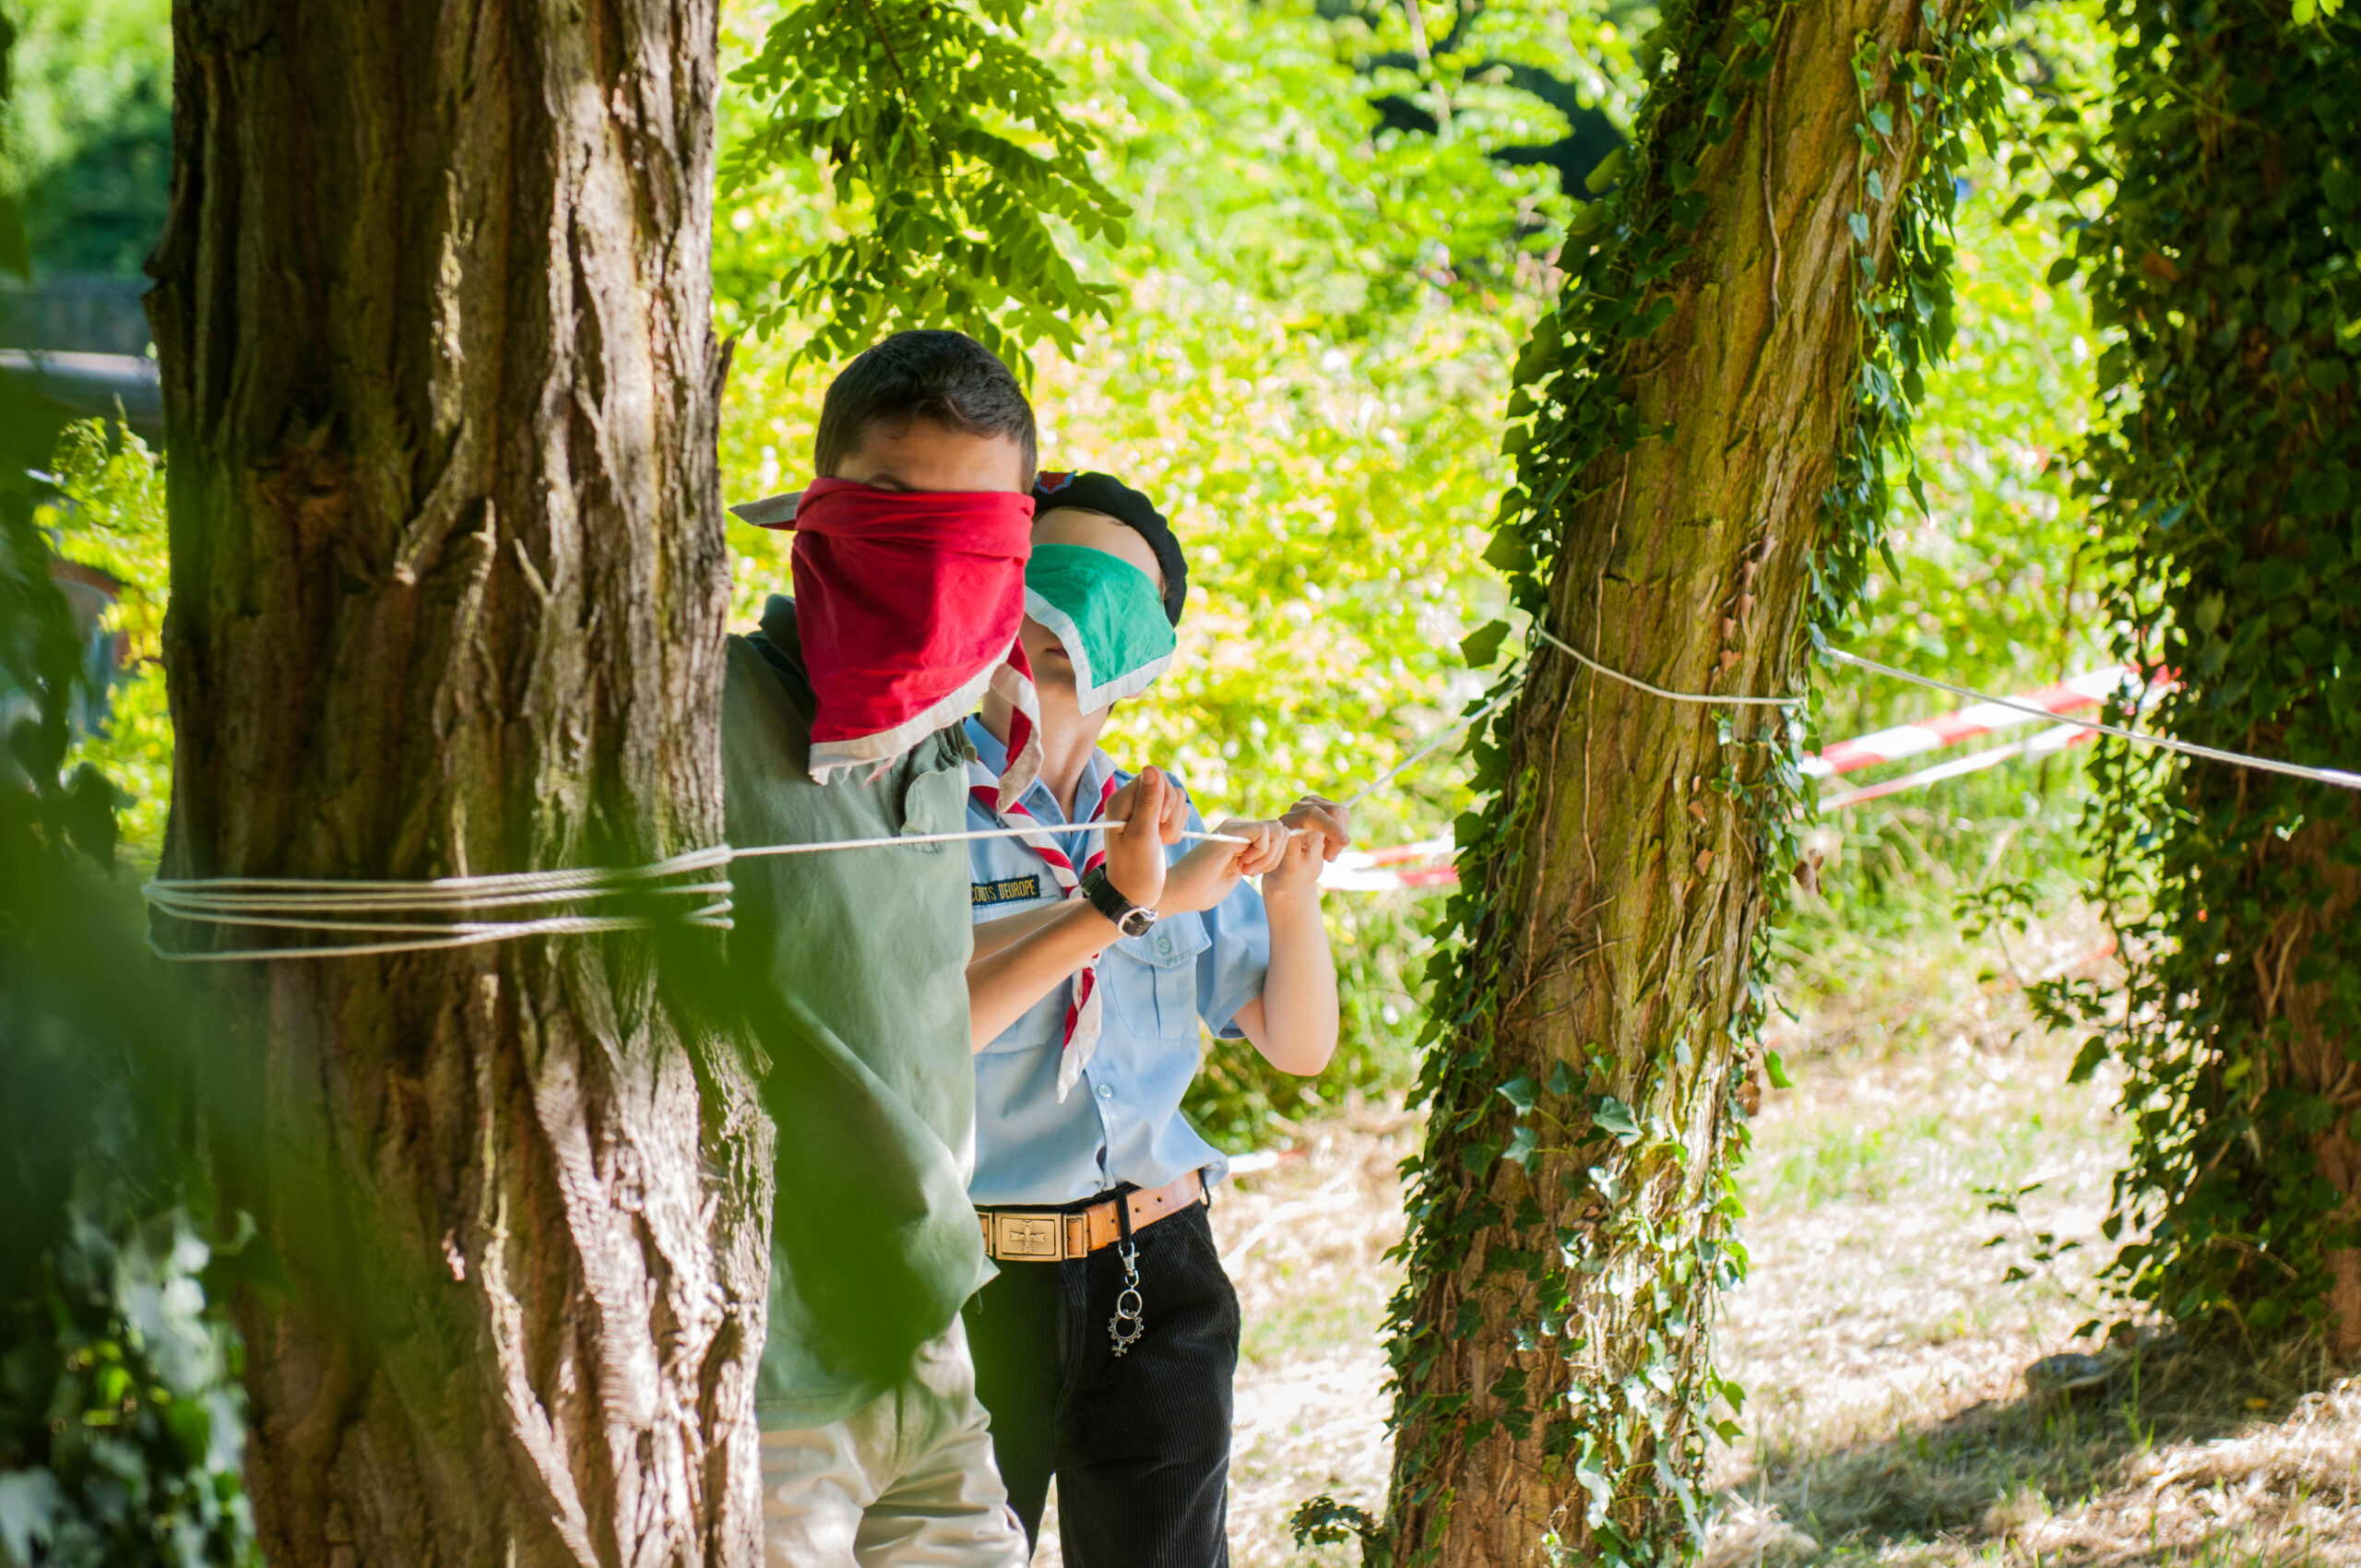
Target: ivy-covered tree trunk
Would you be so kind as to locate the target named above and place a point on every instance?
(2228, 462)
(1697, 484)
(448, 580)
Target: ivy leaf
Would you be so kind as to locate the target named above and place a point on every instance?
(1520, 1091)
(1776, 1071)
(1523, 1145)
(1617, 1118)
(1482, 645)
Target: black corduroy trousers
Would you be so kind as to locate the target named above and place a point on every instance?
(1139, 1444)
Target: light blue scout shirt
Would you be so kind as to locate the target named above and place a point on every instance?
(1122, 1122)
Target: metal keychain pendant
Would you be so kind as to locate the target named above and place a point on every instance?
(1126, 1327)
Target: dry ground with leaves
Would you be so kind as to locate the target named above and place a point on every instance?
(1889, 1417)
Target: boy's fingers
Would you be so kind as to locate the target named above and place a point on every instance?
(1265, 846)
(1328, 823)
(1333, 822)
(1254, 856)
(1147, 802)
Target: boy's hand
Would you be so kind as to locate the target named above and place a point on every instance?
(1206, 876)
(1326, 829)
(1152, 813)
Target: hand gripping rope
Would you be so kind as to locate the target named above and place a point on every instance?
(368, 908)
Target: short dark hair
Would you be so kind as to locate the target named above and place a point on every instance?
(945, 376)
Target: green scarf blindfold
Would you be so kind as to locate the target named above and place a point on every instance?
(1107, 614)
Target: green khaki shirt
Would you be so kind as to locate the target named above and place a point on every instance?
(851, 967)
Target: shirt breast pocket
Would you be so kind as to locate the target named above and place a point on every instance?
(1158, 997)
(934, 801)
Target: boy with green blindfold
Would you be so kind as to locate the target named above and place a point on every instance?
(1106, 1346)
(1106, 615)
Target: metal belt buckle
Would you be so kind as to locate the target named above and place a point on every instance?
(1028, 1235)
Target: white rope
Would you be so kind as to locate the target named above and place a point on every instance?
(2329, 775)
(714, 916)
(311, 904)
(1382, 780)
(1437, 739)
(1543, 633)
(1051, 827)
(318, 905)
(287, 903)
(206, 897)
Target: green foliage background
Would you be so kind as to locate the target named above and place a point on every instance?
(86, 145)
(1993, 582)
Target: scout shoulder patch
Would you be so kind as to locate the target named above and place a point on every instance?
(1007, 890)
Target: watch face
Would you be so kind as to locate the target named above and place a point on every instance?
(1136, 922)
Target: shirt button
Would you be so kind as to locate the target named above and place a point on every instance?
(1164, 944)
(1106, 1091)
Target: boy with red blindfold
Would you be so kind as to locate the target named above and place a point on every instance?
(841, 720)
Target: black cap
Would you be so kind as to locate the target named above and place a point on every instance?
(1103, 492)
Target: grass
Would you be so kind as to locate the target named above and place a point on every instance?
(1889, 1419)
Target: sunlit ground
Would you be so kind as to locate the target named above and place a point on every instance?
(1889, 1417)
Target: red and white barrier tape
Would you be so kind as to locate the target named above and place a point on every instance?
(1385, 870)
(2050, 742)
(1380, 871)
(1967, 723)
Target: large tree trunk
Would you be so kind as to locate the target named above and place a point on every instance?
(1550, 1346)
(449, 581)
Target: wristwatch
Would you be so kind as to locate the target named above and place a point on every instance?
(1131, 920)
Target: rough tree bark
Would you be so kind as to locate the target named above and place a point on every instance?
(1546, 1296)
(449, 581)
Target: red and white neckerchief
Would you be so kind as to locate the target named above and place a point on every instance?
(1083, 1002)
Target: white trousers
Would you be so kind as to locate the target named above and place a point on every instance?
(907, 1481)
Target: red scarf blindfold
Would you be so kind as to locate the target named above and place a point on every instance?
(907, 605)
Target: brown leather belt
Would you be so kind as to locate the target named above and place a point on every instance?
(1026, 1235)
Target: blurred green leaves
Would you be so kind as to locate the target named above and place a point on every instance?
(104, 509)
(85, 136)
(120, 1424)
(14, 256)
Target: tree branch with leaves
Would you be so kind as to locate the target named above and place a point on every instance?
(949, 154)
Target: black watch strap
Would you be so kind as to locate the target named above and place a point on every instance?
(1130, 919)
